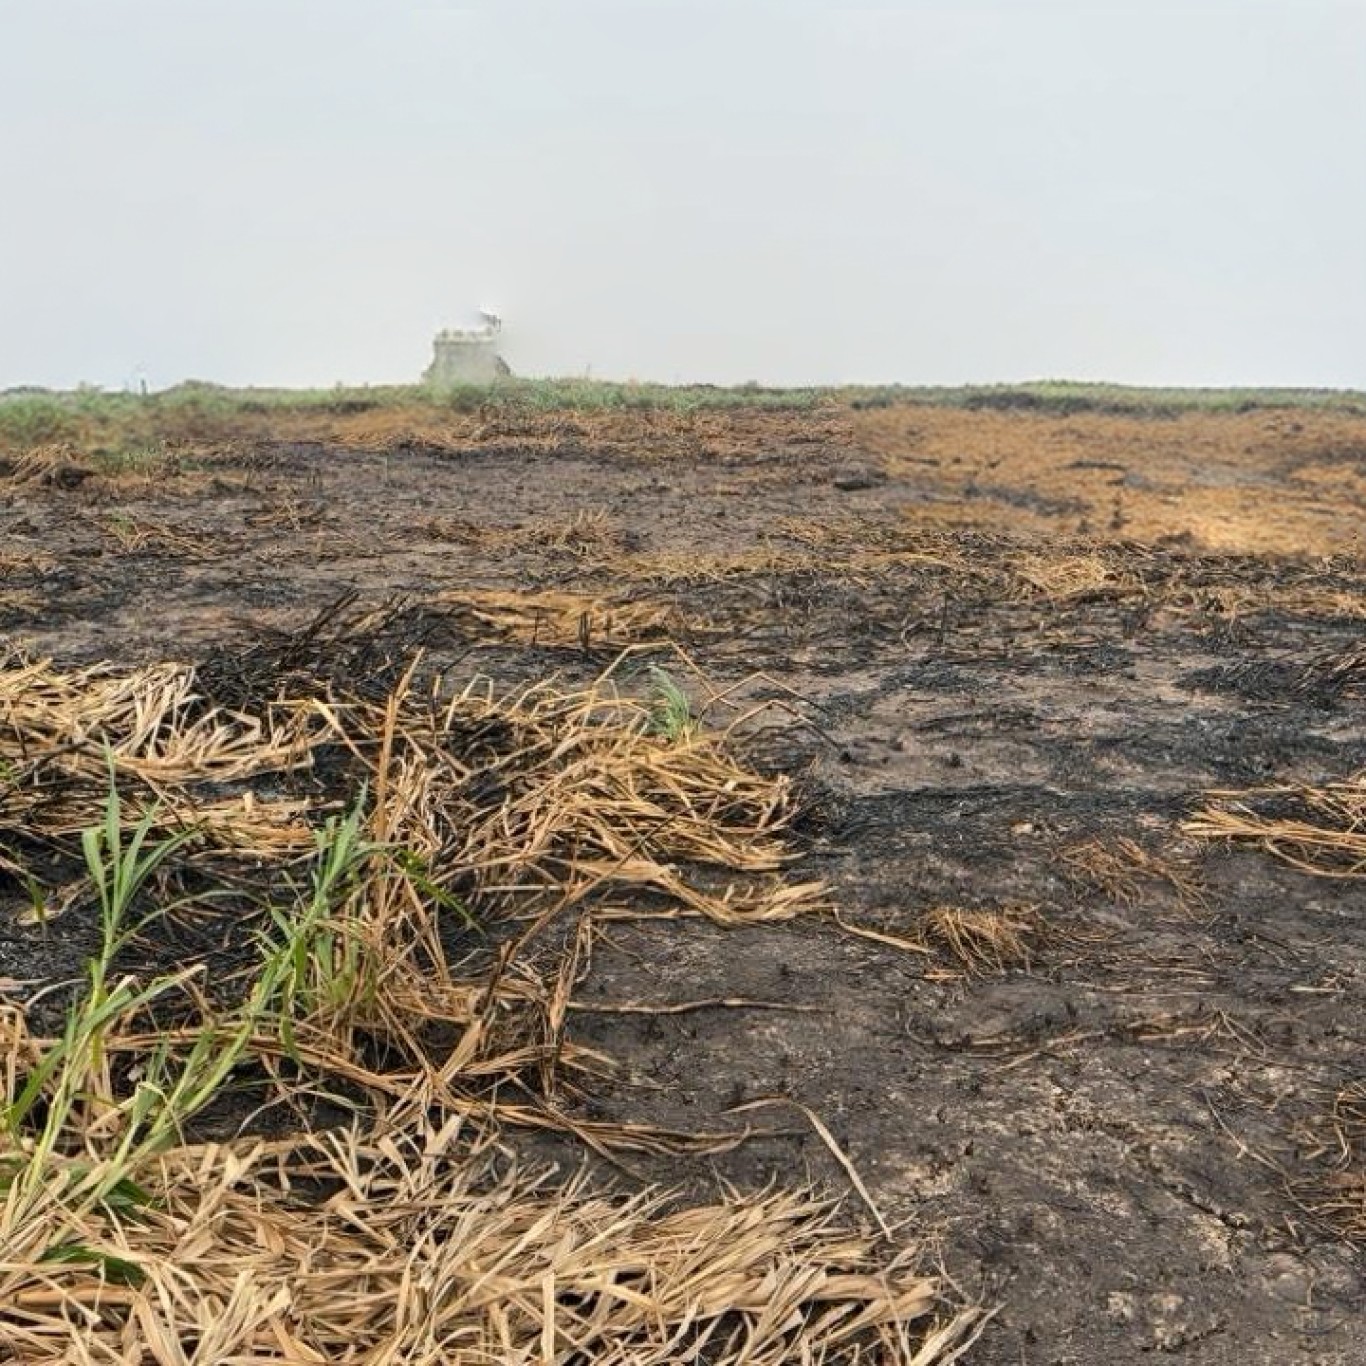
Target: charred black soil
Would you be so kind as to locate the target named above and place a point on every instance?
(1088, 1052)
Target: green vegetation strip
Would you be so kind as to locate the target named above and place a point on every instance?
(32, 417)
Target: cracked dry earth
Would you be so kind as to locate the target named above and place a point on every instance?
(1006, 654)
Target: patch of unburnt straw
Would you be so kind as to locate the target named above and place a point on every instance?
(1125, 871)
(396, 887)
(1320, 830)
(984, 941)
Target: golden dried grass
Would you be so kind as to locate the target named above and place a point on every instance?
(1122, 477)
(1075, 577)
(1122, 869)
(1234, 601)
(1320, 830)
(395, 1241)
(63, 734)
(589, 533)
(733, 434)
(502, 807)
(142, 537)
(54, 463)
(985, 941)
(413, 1253)
(563, 617)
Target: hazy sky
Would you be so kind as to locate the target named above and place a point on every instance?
(302, 192)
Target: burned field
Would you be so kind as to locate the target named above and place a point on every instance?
(959, 813)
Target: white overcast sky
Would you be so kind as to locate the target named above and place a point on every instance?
(303, 191)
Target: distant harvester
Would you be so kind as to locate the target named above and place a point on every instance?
(467, 355)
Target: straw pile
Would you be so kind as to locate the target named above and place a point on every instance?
(479, 810)
(984, 942)
(563, 617)
(419, 1253)
(1125, 871)
(1320, 830)
(404, 890)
